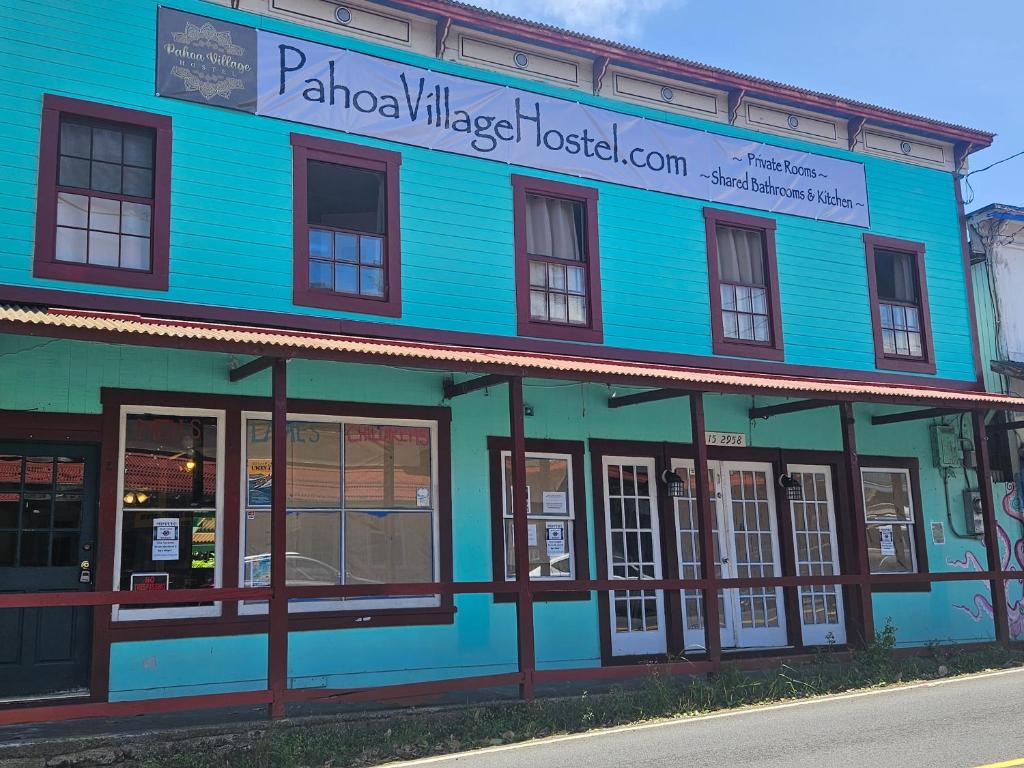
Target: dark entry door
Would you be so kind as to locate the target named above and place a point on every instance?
(47, 530)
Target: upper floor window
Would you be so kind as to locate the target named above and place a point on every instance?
(103, 207)
(746, 315)
(899, 305)
(557, 269)
(347, 251)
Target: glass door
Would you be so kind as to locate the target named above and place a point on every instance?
(634, 552)
(47, 535)
(749, 500)
(817, 554)
(688, 547)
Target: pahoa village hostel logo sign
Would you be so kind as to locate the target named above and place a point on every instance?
(206, 60)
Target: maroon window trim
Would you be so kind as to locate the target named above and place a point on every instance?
(230, 622)
(306, 148)
(720, 344)
(920, 522)
(891, 362)
(44, 262)
(581, 556)
(592, 332)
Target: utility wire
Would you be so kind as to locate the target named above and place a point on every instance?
(969, 197)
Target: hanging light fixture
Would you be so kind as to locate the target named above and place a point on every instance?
(190, 464)
(794, 490)
(674, 484)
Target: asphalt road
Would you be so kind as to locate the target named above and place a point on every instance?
(959, 723)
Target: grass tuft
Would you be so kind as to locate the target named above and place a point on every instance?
(361, 743)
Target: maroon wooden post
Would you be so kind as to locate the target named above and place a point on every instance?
(521, 539)
(858, 527)
(988, 509)
(706, 513)
(277, 642)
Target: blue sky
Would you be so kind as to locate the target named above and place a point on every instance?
(954, 61)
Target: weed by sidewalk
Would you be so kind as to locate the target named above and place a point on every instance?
(355, 744)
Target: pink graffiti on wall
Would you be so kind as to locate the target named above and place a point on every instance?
(981, 604)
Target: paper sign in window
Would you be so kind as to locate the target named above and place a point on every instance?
(886, 543)
(554, 535)
(531, 535)
(165, 538)
(556, 503)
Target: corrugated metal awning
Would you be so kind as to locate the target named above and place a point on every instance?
(116, 328)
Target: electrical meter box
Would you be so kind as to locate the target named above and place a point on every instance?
(973, 516)
(945, 446)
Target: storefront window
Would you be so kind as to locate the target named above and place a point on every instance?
(890, 520)
(169, 501)
(361, 508)
(551, 513)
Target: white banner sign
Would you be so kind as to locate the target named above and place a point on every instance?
(217, 62)
(352, 92)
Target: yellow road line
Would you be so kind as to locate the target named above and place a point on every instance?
(1004, 764)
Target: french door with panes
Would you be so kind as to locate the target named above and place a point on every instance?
(47, 535)
(687, 522)
(746, 533)
(634, 552)
(817, 554)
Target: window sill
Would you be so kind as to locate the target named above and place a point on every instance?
(96, 275)
(258, 624)
(903, 364)
(730, 348)
(344, 303)
(560, 332)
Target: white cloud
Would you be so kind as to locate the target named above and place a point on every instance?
(614, 19)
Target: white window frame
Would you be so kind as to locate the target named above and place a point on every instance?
(131, 613)
(352, 604)
(910, 524)
(570, 518)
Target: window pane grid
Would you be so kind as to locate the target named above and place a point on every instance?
(103, 231)
(40, 510)
(104, 195)
(347, 262)
(890, 520)
(631, 526)
(901, 329)
(558, 292)
(545, 474)
(361, 505)
(745, 312)
(754, 551)
(819, 603)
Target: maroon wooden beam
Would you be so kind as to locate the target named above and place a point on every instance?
(988, 508)
(855, 508)
(453, 390)
(706, 513)
(246, 370)
(923, 413)
(646, 397)
(277, 641)
(521, 539)
(767, 411)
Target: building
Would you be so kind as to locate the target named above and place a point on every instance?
(493, 283)
(996, 269)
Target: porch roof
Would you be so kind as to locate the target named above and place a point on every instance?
(118, 328)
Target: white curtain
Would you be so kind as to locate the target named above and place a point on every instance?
(551, 228)
(740, 256)
(898, 282)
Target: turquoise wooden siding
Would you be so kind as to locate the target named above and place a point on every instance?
(231, 237)
(66, 376)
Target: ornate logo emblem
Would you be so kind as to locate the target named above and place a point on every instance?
(208, 61)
